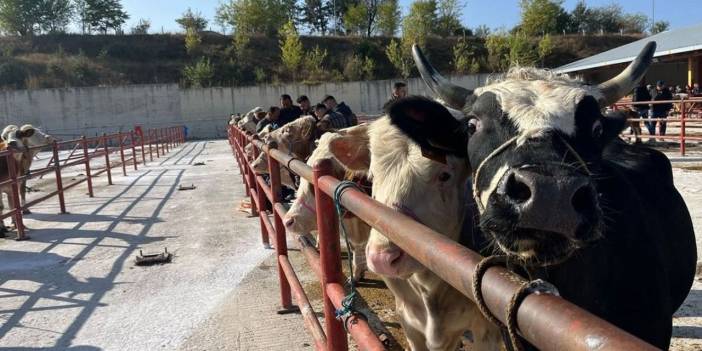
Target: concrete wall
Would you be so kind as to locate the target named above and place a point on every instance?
(74, 111)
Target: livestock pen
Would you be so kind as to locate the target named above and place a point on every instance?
(545, 320)
(81, 152)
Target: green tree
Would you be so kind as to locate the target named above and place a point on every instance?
(103, 15)
(291, 52)
(199, 74)
(192, 20)
(448, 20)
(578, 18)
(545, 48)
(248, 17)
(142, 27)
(521, 51)
(55, 15)
(419, 23)
(19, 17)
(192, 40)
(465, 57)
(660, 26)
(389, 18)
(398, 58)
(542, 17)
(314, 61)
(498, 46)
(315, 14)
(481, 31)
(355, 19)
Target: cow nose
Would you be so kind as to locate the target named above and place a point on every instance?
(384, 260)
(554, 202)
(289, 222)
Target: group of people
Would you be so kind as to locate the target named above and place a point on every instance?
(657, 112)
(330, 114)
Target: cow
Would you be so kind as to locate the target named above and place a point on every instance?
(12, 139)
(301, 217)
(296, 138)
(433, 314)
(562, 196)
(250, 120)
(32, 138)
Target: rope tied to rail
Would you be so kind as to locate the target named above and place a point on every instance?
(510, 336)
(347, 310)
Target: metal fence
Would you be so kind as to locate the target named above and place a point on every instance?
(82, 151)
(546, 321)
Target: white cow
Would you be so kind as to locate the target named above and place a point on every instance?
(433, 314)
(249, 121)
(301, 217)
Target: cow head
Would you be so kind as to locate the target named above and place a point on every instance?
(534, 140)
(14, 139)
(301, 217)
(403, 178)
(34, 137)
(295, 138)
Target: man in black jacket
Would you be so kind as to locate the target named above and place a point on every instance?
(288, 111)
(641, 94)
(661, 110)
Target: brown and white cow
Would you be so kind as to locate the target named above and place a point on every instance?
(301, 217)
(12, 139)
(433, 314)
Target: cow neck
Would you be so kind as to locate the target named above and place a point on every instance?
(506, 145)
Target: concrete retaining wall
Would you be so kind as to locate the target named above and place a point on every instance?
(88, 111)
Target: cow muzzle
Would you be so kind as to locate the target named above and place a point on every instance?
(390, 261)
(548, 201)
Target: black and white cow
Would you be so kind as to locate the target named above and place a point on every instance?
(561, 194)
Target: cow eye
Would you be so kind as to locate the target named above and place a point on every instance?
(597, 130)
(473, 125)
(443, 177)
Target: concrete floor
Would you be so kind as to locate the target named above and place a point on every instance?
(74, 285)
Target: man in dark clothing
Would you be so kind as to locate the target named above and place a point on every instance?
(273, 118)
(661, 110)
(342, 108)
(305, 105)
(329, 120)
(641, 94)
(399, 90)
(288, 111)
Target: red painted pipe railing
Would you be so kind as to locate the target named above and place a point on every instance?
(684, 111)
(546, 321)
(79, 155)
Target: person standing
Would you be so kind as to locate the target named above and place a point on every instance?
(399, 91)
(288, 111)
(641, 94)
(342, 108)
(661, 110)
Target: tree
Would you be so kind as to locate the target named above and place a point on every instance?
(545, 48)
(660, 26)
(389, 18)
(448, 21)
(55, 15)
(498, 46)
(464, 58)
(291, 52)
(521, 51)
(199, 74)
(398, 57)
(314, 62)
(419, 23)
(20, 17)
(103, 15)
(192, 40)
(315, 14)
(192, 20)
(142, 27)
(542, 17)
(248, 17)
(578, 18)
(355, 18)
(481, 31)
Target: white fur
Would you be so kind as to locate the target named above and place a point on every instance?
(537, 99)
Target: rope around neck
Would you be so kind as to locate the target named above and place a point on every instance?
(477, 192)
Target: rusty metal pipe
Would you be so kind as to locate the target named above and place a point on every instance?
(308, 315)
(358, 327)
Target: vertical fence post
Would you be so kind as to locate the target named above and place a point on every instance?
(143, 151)
(281, 246)
(154, 135)
(86, 156)
(151, 154)
(15, 199)
(134, 155)
(59, 180)
(330, 255)
(121, 153)
(161, 140)
(165, 140)
(107, 158)
(683, 115)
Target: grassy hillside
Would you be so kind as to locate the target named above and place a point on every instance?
(49, 61)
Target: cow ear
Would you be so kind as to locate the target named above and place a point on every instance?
(612, 125)
(430, 125)
(352, 150)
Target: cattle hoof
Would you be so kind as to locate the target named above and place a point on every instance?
(26, 211)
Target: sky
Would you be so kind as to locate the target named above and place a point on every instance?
(493, 13)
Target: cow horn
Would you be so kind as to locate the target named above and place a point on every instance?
(621, 85)
(453, 95)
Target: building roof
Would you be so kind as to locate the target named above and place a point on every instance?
(668, 43)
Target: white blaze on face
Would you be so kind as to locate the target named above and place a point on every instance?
(539, 100)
